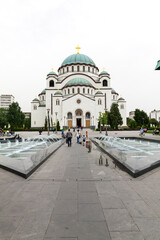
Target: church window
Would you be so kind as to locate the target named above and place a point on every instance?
(83, 68)
(57, 102)
(51, 83)
(34, 122)
(43, 98)
(72, 69)
(68, 91)
(78, 101)
(67, 69)
(78, 90)
(122, 106)
(99, 102)
(35, 107)
(113, 97)
(65, 92)
(77, 68)
(92, 70)
(88, 69)
(88, 90)
(72, 90)
(83, 90)
(63, 70)
(69, 115)
(105, 83)
(91, 92)
(88, 115)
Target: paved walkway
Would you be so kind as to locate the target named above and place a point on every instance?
(72, 197)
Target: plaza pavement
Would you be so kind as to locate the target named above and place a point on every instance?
(72, 197)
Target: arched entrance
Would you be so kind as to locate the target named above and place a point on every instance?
(69, 117)
(79, 114)
(88, 116)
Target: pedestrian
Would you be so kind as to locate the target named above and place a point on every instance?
(69, 138)
(84, 139)
(40, 131)
(141, 132)
(78, 135)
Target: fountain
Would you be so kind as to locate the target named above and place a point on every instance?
(137, 156)
(24, 157)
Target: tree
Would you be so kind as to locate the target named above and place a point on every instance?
(15, 116)
(3, 117)
(45, 124)
(154, 122)
(141, 117)
(27, 123)
(131, 123)
(114, 116)
(58, 126)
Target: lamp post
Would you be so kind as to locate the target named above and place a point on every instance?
(106, 121)
(48, 119)
(64, 120)
(56, 121)
(100, 122)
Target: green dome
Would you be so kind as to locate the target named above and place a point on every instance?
(104, 73)
(78, 81)
(121, 99)
(99, 92)
(113, 91)
(58, 93)
(78, 58)
(35, 100)
(44, 91)
(52, 73)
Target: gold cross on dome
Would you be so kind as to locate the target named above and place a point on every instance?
(58, 89)
(104, 69)
(52, 69)
(98, 89)
(78, 49)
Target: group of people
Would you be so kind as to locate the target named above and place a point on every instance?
(78, 135)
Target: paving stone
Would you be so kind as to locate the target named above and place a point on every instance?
(139, 209)
(110, 202)
(126, 236)
(33, 236)
(86, 186)
(88, 197)
(66, 206)
(8, 225)
(119, 220)
(90, 212)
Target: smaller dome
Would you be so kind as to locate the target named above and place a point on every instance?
(121, 99)
(35, 100)
(104, 73)
(78, 82)
(58, 93)
(52, 73)
(99, 92)
(44, 91)
(113, 91)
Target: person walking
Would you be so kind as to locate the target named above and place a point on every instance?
(78, 135)
(69, 138)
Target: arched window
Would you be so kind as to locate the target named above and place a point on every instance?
(63, 70)
(68, 91)
(67, 69)
(77, 68)
(88, 90)
(99, 102)
(83, 68)
(122, 106)
(92, 92)
(88, 115)
(43, 98)
(69, 115)
(105, 83)
(83, 90)
(113, 97)
(73, 90)
(88, 69)
(78, 90)
(51, 83)
(92, 70)
(65, 92)
(57, 102)
(35, 107)
(72, 69)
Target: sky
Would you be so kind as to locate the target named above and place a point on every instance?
(122, 36)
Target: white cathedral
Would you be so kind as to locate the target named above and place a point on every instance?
(76, 96)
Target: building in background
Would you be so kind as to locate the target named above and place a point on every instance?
(131, 115)
(155, 114)
(76, 96)
(6, 100)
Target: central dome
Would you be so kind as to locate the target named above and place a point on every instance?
(78, 82)
(78, 58)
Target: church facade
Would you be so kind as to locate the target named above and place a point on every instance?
(76, 96)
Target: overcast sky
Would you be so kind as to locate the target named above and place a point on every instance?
(121, 35)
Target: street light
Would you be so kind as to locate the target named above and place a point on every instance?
(106, 121)
(48, 119)
(64, 121)
(56, 121)
(100, 121)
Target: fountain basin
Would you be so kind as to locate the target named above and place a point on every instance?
(136, 155)
(23, 158)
